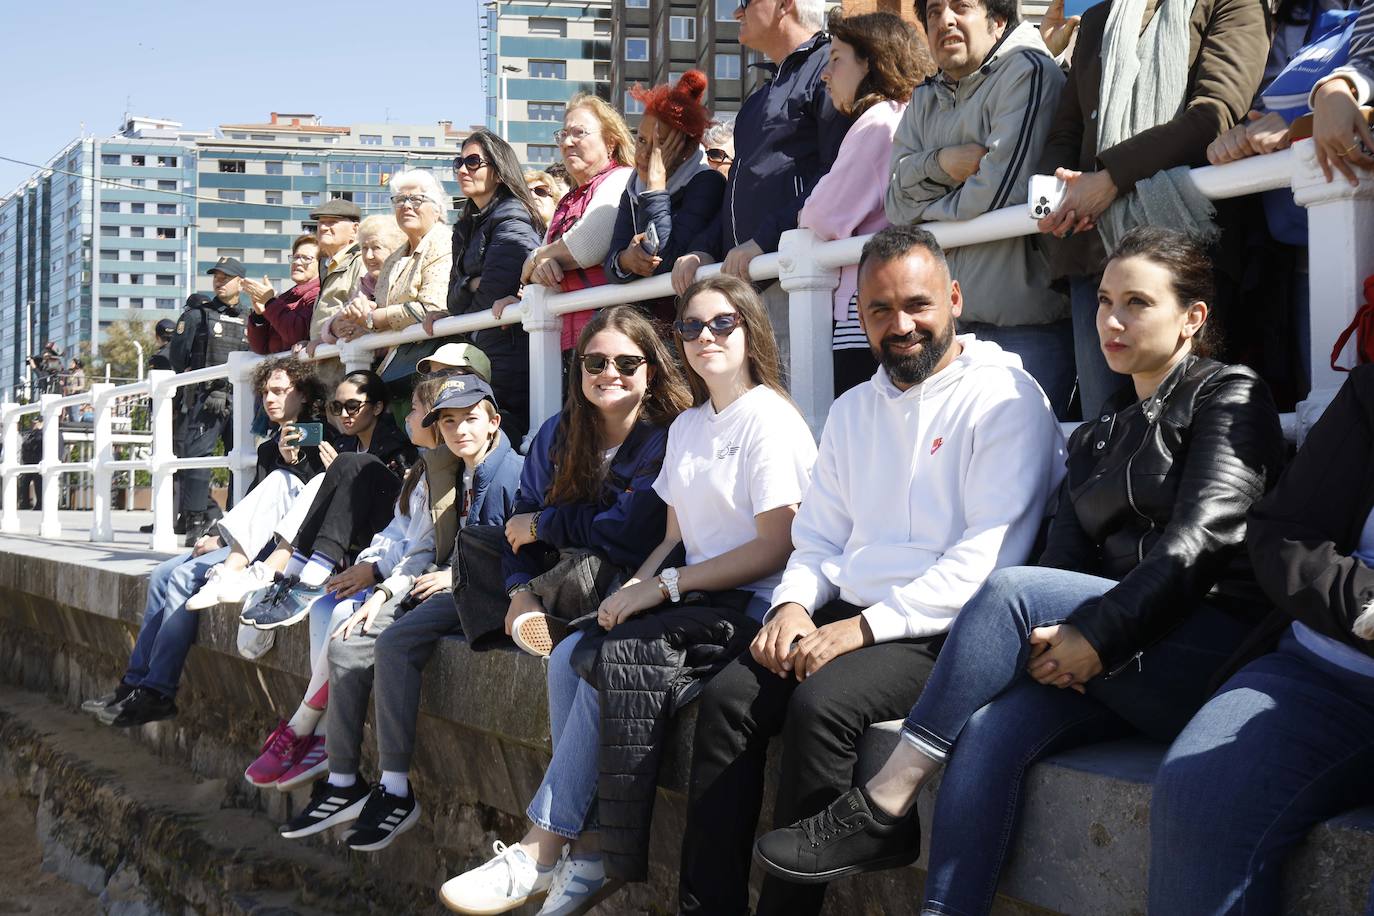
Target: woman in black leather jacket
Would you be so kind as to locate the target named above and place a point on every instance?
(1141, 595)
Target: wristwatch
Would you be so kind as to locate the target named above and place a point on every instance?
(370, 325)
(668, 579)
(517, 589)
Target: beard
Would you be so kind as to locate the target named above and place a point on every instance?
(917, 367)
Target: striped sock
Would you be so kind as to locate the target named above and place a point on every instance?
(317, 570)
(296, 563)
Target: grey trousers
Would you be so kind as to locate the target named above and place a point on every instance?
(395, 654)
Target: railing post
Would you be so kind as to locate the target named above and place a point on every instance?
(9, 489)
(1340, 225)
(546, 356)
(50, 526)
(245, 452)
(810, 317)
(354, 357)
(102, 453)
(160, 422)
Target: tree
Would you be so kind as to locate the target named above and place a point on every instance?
(118, 350)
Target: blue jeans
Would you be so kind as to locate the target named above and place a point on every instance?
(1096, 381)
(168, 629)
(1046, 351)
(1286, 743)
(566, 798)
(1003, 722)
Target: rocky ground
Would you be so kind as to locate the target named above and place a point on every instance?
(24, 886)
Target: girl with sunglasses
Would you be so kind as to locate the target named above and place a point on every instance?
(736, 466)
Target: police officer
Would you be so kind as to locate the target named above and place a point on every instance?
(164, 331)
(206, 333)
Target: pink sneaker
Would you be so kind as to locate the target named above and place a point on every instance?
(311, 761)
(275, 759)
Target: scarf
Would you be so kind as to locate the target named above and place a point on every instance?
(571, 209)
(1145, 84)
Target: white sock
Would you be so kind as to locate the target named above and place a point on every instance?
(317, 570)
(305, 720)
(342, 780)
(296, 564)
(397, 784)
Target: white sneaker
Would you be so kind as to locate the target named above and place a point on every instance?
(234, 587)
(502, 884)
(579, 883)
(208, 596)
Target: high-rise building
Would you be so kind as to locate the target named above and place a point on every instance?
(538, 55)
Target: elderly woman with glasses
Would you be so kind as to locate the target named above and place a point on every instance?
(719, 141)
(598, 152)
(278, 322)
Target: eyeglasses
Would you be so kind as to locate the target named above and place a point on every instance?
(538, 190)
(472, 163)
(721, 326)
(415, 200)
(595, 363)
(718, 156)
(304, 258)
(349, 407)
(575, 134)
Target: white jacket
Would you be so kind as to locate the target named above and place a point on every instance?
(918, 495)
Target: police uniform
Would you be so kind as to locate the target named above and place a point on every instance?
(206, 333)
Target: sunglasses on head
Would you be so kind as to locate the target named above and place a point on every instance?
(595, 363)
(472, 163)
(717, 155)
(722, 325)
(350, 407)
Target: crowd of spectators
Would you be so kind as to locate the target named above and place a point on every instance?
(944, 556)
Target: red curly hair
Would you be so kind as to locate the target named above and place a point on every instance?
(678, 105)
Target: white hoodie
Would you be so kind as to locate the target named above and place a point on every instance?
(977, 454)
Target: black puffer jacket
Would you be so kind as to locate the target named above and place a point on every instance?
(489, 245)
(646, 669)
(1156, 495)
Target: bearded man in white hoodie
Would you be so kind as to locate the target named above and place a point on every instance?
(930, 476)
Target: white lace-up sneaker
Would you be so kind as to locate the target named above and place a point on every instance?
(208, 595)
(579, 883)
(225, 587)
(502, 884)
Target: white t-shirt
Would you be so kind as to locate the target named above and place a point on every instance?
(720, 470)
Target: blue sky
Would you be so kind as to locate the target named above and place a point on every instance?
(68, 63)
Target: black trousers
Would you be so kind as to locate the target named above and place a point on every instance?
(821, 721)
(194, 434)
(356, 500)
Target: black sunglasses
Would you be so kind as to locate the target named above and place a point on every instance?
(717, 155)
(471, 163)
(721, 326)
(539, 190)
(595, 363)
(350, 407)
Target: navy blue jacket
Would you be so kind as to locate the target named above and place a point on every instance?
(624, 525)
(678, 217)
(490, 244)
(787, 134)
(495, 484)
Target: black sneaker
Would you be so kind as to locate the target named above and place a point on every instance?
(99, 704)
(142, 706)
(844, 839)
(198, 524)
(291, 604)
(328, 805)
(384, 817)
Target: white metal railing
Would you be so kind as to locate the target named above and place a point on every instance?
(1341, 217)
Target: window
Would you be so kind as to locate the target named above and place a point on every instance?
(136, 256)
(601, 28)
(310, 169)
(546, 111)
(274, 197)
(272, 255)
(140, 182)
(545, 25)
(235, 253)
(682, 28)
(166, 232)
(272, 167)
(166, 209)
(302, 139)
(135, 160)
(109, 159)
(549, 69)
(166, 280)
(230, 194)
(636, 49)
(135, 280)
(400, 140)
(167, 257)
(637, 4)
(109, 278)
(370, 139)
(109, 302)
(727, 67)
(427, 141)
(271, 225)
(109, 232)
(537, 152)
(166, 303)
(230, 225)
(109, 254)
(135, 232)
(601, 70)
(109, 206)
(236, 166)
(263, 138)
(238, 136)
(310, 198)
(167, 161)
(633, 106)
(725, 10)
(164, 184)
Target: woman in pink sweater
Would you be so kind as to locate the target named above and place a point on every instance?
(875, 61)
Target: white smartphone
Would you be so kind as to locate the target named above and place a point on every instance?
(1045, 195)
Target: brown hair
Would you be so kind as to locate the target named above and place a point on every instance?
(613, 129)
(426, 393)
(760, 346)
(306, 239)
(897, 58)
(1185, 257)
(303, 379)
(577, 456)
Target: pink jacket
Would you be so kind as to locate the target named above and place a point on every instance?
(848, 201)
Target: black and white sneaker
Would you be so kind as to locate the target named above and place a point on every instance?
(328, 807)
(140, 707)
(384, 817)
(100, 704)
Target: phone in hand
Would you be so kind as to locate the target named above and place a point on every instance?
(310, 434)
(1045, 195)
(650, 243)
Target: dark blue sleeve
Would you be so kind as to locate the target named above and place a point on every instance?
(511, 242)
(711, 239)
(701, 201)
(535, 477)
(624, 231)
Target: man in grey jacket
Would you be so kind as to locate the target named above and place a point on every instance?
(968, 144)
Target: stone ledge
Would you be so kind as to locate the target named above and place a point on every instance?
(485, 743)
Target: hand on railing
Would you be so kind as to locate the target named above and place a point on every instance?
(1340, 132)
(356, 312)
(738, 258)
(429, 320)
(499, 306)
(542, 267)
(1258, 134)
(1088, 196)
(686, 267)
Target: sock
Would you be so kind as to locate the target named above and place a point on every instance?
(296, 564)
(879, 815)
(342, 780)
(397, 784)
(319, 568)
(305, 720)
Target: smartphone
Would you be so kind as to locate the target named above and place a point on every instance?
(1078, 7)
(650, 243)
(311, 433)
(1044, 196)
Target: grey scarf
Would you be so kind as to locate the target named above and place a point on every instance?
(1144, 84)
